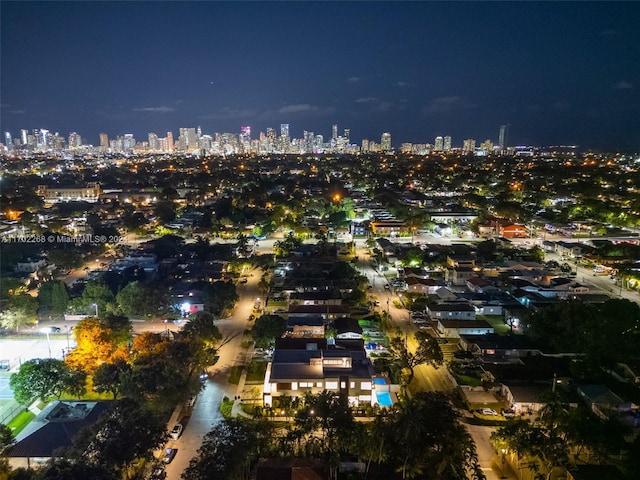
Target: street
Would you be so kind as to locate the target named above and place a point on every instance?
(206, 411)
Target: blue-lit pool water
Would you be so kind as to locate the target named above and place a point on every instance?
(384, 399)
(379, 381)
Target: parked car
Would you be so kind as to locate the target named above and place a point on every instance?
(158, 474)
(488, 411)
(169, 455)
(508, 413)
(176, 431)
(55, 329)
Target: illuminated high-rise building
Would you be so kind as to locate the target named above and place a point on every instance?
(24, 134)
(188, 139)
(347, 134)
(385, 142)
(42, 137)
(245, 135)
(170, 141)
(153, 142)
(75, 141)
(271, 133)
(502, 138)
(104, 141)
(128, 142)
(438, 145)
(206, 143)
(487, 146)
(7, 139)
(469, 145)
(284, 131)
(285, 140)
(307, 142)
(447, 144)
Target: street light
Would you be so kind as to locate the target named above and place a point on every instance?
(96, 305)
(47, 331)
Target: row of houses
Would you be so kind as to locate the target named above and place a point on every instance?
(304, 359)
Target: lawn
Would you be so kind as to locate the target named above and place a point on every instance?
(256, 371)
(467, 380)
(22, 420)
(234, 375)
(497, 322)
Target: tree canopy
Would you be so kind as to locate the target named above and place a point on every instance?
(266, 329)
(41, 378)
(573, 326)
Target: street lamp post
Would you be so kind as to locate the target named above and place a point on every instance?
(96, 305)
(47, 331)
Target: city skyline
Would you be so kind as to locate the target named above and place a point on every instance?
(195, 140)
(557, 73)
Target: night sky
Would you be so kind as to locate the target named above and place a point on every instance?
(557, 73)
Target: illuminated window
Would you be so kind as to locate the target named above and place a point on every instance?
(331, 385)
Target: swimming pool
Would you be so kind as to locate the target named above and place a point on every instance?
(384, 399)
(379, 381)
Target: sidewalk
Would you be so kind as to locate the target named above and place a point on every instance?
(236, 410)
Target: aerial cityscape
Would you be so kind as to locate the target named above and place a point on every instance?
(319, 240)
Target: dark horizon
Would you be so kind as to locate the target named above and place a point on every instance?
(557, 73)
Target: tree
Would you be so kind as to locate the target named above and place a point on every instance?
(6, 439)
(243, 245)
(65, 259)
(573, 326)
(427, 352)
(165, 210)
(40, 378)
(422, 434)
(53, 296)
(534, 440)
(95, 343)
(72, 469)
(127, 432)
(131, 299)
(13, 319)
(202, 326)
(98, 293)
(287, 245)
(229, 449)
(108, 377)
(204, 336)
(220, 296)
(120, 326)
(266, 329)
